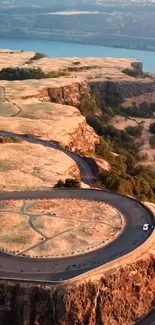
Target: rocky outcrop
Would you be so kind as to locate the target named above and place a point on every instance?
(73, 93)
(137, 66)
(84, 138)
(120, 297)
(69, 94)
(123, 89)
(120, 79)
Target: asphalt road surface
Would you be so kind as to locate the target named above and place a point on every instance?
(148, 320)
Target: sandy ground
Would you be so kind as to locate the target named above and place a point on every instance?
(121, 123)
(26, 166)
(26, 107)
(48, 121)
(38, 167)
(57, 227)
(16, 233)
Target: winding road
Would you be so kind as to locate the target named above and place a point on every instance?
(59, 269)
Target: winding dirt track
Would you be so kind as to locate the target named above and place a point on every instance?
(59, 269)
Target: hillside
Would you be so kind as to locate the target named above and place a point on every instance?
(121, 24)
(67, 95)
(50, 109)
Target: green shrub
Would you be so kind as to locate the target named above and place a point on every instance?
(71, 183)
(36, 57)
(76, 62)
(144, 111)
(39, 56)
(135, 131)
(120, 140)
(59, 184)
(104, 150)
(152, 128)
(26, 73)
(54, 74)
(68, 183)
(125, 187)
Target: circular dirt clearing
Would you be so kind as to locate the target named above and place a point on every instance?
(57, 227)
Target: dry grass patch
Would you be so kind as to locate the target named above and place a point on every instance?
(11, 205)
(70, 226)
(16, 234)
(73, 226)
(8, 109)
(30, 166)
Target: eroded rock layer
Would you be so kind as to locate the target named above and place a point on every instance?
(120, 297)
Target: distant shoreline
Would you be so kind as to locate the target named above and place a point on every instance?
(75, 41)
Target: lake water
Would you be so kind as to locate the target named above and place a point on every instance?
(61, 49)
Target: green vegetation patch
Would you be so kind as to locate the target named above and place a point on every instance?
(135, 131)
(36, 57)
(76, 62)
(68, 183)
(126, 176)
(27, 73)
(144, 110)
(120, 148)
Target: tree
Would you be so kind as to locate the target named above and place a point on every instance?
(68, 183)
(125, 187)
(135, 131)
(142, 188)
(103, 150)
(112, 179)
(26, 73)
(72, 182)
(59, 184)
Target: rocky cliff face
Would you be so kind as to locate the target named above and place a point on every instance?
(123, 89)
(118, 78)
(69, 94)
(84, 138)
(120, 297)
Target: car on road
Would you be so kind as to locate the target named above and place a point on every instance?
(146, 226)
